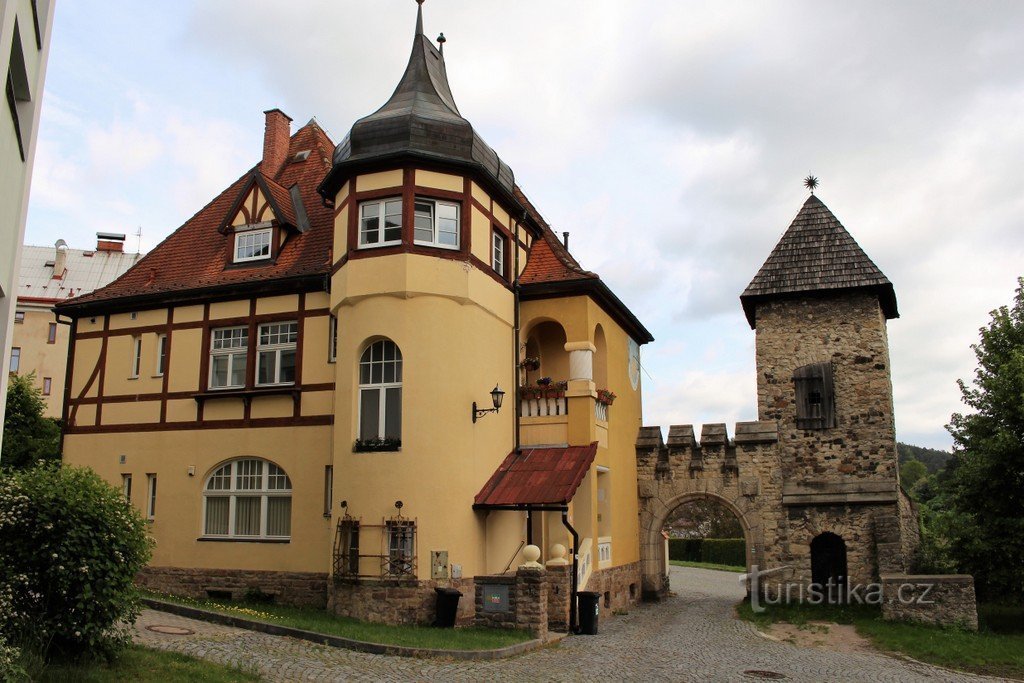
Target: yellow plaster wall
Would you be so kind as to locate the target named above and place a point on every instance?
(442, 181)
(229, 309)
(117, 380)
(188, 314)
(272, 406)
(378, 181)
(277, 304)
(481, 236)
(123, 321)
(301, 451)
(315, 367)
(479, 195)
(186, 356)
(87, 354)
(579, 316)
(341, 233)
(41, 357)
(131, 413)
(455, 334)
(181, 410)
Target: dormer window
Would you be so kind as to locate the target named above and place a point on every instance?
(380, 223)
(253, 245)
(437, 224)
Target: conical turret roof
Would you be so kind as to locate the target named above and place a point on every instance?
(420, 119)
(816, 255)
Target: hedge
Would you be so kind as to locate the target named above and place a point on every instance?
(728, 551)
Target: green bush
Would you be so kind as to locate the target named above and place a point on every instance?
(71, 548)
(728, 551)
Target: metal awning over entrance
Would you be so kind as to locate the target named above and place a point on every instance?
(536, 478)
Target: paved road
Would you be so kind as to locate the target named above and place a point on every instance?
(690, 637)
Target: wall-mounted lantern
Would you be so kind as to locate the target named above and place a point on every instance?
(497, 396)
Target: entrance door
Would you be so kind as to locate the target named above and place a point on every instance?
(828, 566)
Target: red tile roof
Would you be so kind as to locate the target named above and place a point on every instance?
(537, 476)
(196, 255)
(549, 260)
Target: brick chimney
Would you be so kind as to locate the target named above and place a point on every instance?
(275, 141)
(110, 241)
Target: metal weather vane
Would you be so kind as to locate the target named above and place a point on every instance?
(810, 182)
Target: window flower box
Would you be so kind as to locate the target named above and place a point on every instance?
(376, 445)
(530, 364)
(606, 396)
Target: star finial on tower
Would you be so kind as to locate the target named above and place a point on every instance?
(810, 182)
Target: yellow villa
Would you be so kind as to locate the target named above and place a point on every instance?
(366, 369)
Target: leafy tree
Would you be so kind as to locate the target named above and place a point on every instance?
(911, 472)
(28, 436)
(985, 491)
(703, 519)
(932, 458)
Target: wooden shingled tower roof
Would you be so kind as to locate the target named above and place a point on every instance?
(816, 255)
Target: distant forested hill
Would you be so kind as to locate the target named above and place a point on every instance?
(932, 458)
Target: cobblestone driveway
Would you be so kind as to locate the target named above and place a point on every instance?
(690, 637)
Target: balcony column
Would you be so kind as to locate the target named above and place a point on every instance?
(581, 392)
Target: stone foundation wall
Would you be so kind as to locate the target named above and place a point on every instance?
(946, 600)
(619, 587)
(305, 589)
(504, 619)
(394, 602)
(910, 529)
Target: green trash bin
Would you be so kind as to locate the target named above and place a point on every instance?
(589, 608)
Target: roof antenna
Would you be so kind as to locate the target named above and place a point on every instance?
(810, 182)
(138, 242)
(441, 40)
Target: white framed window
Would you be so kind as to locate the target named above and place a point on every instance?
(19, 317)
(380, 391)
(15, 360)
(248, 498)
(161, 353)
(150, 496)
(253, 245)
(47, 385)
(51, 334)
(380, 223)
(436, 223)
(275, 353)
(332, 339)
(229, 347)
(126, 486)
(136, 356)
(498, 253)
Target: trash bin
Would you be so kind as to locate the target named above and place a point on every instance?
(589, 608)
(447, 607)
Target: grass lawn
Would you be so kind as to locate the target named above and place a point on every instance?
(708, 565)
(321, 621)
(143, 664)
(996, 649)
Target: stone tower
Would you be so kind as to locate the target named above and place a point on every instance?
(819, 306)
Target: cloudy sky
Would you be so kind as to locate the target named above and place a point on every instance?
(669, 137)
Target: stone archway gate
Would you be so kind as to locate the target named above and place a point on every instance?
(743, 474)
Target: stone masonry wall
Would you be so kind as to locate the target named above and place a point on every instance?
(505, 619)
(559, 593)
(393, 602)
(527, 601)
(910, 529)
(849, 331)
(619, 588)
(928, 599)
(306, 589)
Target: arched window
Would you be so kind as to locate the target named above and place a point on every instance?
(380, 392)
(248, 498)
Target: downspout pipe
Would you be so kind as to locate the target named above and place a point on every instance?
(573, 622)
(515, 331)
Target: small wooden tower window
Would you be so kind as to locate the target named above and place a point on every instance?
(815, 397)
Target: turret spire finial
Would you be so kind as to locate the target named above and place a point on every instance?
(419, 17)
(811, 183)
(441, 40)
